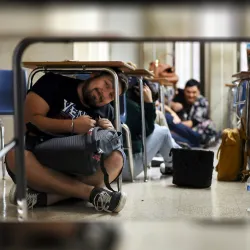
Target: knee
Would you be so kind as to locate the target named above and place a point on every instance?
(10, 158)
(163, 131)
(117, 158)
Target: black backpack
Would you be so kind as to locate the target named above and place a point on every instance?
(192, 168)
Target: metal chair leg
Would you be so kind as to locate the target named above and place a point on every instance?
(162, 99)
(2, 146)
(129, 148)
(144, 146)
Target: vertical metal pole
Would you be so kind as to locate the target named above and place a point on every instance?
(162, 98)
(202, 67)
(117, 114)
(238, 99)
(19, 91)
(2, 146)
(247, 113)
(130, 151)
(143, 131)
(173, 62)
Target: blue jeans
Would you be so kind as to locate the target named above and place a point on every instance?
(182, 133)
(159, 141)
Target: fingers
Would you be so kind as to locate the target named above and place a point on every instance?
(105, 123)
(86, 116)
(92, 122)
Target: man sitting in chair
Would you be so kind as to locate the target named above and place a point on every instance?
(62, 105)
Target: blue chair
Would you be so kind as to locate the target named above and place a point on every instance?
(6, 102)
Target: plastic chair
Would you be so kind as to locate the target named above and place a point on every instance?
(6, 103)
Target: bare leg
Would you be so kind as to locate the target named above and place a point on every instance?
(54, 198)
(113, 164)
(49, 181)
(97, 179)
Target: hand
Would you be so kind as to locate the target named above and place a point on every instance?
(147, 94)
(83, 124)
(176, 119)
(176, 106)
(188, 123)
(157, 103)
(105, 123)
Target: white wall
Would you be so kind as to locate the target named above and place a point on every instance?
(187, 62)
(36, 52)
(222, 65)
(123, 21)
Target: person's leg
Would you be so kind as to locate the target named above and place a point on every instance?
(158, 141)
(110, 165)
(49, 181)
(193, 137)
(180, 139)
(167, 144)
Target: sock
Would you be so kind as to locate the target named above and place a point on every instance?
(41, 198)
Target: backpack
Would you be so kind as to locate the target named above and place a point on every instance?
(192, 167)
(76, 154)
(231, 155)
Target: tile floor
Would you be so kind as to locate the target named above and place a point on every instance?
(159, 214)
(156, 200)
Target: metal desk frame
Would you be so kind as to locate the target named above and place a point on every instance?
(19, 128)
(139, 74)
(241, 78)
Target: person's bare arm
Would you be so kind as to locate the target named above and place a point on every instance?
(188, 123)
(36, 109)
(176, 106)
(169, 110)
(175, 116)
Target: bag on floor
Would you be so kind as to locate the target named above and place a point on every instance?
(192, 168)
(76, 154)
(231, 156)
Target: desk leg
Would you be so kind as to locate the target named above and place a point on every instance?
(143, 132)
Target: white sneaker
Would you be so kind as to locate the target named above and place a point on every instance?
(166, 168)
(33, 198)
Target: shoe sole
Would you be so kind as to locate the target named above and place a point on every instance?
(167, 172)
(122, 202)
(12, 195)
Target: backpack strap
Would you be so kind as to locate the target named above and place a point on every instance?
(106, 176)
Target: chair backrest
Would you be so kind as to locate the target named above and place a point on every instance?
(7, 91)
(123, 110)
